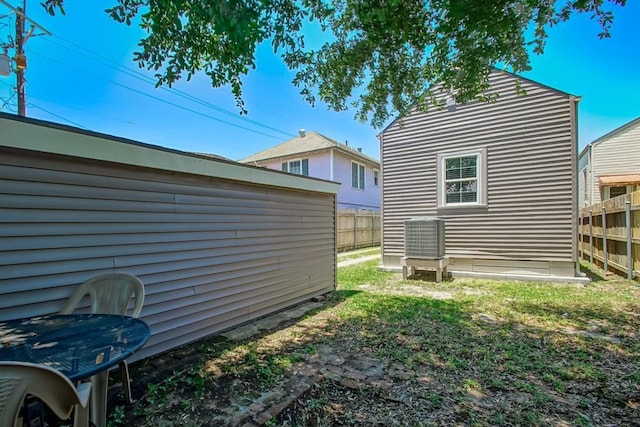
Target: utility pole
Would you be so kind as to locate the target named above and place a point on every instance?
(19, 59)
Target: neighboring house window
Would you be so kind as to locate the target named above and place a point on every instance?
(357, 175)
(376, 175)
(298, 166)
(617, 191)
(461, 179)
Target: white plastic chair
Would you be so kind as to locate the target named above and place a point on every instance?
(110, 294)
(17, 379)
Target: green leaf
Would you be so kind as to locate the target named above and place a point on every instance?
(383, 57)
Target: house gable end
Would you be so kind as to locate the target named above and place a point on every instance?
(503, 172)
(507, 88)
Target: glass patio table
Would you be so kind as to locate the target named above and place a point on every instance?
(78, 345)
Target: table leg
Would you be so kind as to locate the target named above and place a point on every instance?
(99, 384)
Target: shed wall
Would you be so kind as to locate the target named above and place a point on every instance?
(212, 253)
(528, 223)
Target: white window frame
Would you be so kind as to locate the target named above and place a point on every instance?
(376, 177)
(299, 160)
(361, 179)
(607, 190)
(481, 179)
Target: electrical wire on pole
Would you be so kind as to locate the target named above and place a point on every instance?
(19, 58)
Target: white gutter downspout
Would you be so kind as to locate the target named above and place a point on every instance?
(331, 165)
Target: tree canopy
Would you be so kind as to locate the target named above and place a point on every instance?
(381, 56)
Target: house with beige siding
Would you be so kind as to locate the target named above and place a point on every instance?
(501, 175)
(316, 155)
(610, 166)
(216, 243)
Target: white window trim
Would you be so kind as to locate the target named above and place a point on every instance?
(291, 161)
(607, 190)
(300, 159)
(481, 179)
(376, 172)
(364, 170)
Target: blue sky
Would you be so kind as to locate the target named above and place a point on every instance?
(83, 75)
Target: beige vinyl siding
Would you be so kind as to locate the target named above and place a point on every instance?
(583, 177)
(583, 187)
(530, 143)
(616, 155)
(212, 253)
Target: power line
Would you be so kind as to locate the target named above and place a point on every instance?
(20, 12)
(6, 103)
(143, 77)
(31, 104)
(155, 97)
(120, 119)
(17, 45)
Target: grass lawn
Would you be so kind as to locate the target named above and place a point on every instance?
(461, 352)
(359, 253)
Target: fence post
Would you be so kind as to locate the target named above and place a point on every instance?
(628, 224)
(604, 238)
(591, 236)
(581, 234)
(373, 234)
(355, 229)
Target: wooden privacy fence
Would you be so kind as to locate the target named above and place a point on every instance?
(609, 234)
(357, 229)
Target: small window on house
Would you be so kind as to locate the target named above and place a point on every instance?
(617, 191)
(461, 179)
(298, 166)
(376, 175)
(357, 175)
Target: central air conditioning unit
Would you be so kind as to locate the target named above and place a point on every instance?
(424, 238)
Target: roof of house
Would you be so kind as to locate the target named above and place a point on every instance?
(213, 156)
(613, 180)
(308, 143)
(611, 134)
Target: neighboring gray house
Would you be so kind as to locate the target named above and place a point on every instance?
(216, 243)
(313, 154)
(501, 174)
(610, 165)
